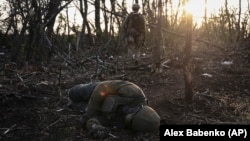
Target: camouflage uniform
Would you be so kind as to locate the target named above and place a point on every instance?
(134, 30)
(79, 96)
(120, 101)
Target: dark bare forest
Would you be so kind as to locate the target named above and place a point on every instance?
(191, 73)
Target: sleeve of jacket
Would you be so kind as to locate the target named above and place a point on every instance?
(96, 100)
(125, 24)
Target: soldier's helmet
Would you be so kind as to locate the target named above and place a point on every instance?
(135, 7)
(81, 92)
(145, 120)
(79, 96)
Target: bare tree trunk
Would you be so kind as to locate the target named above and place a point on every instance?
(105, 16)
(205, 16)
(158, 41)
(18, 41)
(248, 6)
(85, 24)
(34, 17)
(52, 9)
(97, 20)
(166, 13)
(175, 19)
(67, 24)
(34, 43)
(82, 33)
(144, 2)
(229, 21)
(112, 19)
(239, 23)
(186, 59)
(120, 43)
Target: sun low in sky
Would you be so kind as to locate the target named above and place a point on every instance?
(197, 7)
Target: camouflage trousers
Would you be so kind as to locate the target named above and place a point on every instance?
(133, 45)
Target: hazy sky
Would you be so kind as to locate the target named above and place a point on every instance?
(196, 7)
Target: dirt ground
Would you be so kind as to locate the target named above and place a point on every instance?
(33, 100)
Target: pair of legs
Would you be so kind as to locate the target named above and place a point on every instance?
(134, 45)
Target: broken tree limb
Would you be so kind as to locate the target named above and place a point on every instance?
(52, 124)
(113, 136)
(9, 129)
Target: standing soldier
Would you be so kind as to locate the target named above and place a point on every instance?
(134, 28)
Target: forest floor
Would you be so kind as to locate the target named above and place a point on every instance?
(33, 100)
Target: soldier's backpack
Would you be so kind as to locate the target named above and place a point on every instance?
(136, 23)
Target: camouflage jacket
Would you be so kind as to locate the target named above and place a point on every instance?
(108, 96)
(134, 24)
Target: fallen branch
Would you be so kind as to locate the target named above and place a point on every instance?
(52, 124)
(9, 129)
(18, 75)
(113, 136)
